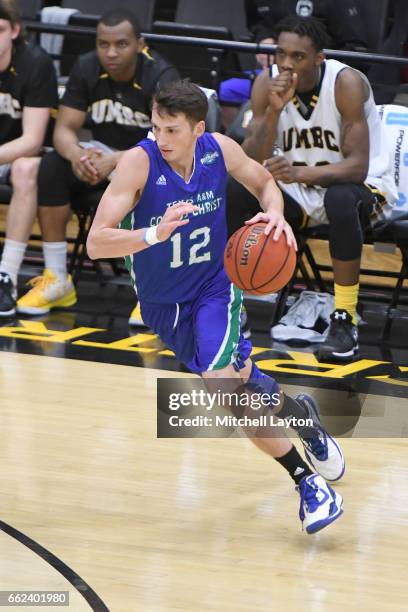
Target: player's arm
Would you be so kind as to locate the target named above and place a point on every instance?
(89, 165)
(105, 239)
(350, 92)
(66, 141)
(261, 131)
(260, 183)
(34, 123)
(268, 98)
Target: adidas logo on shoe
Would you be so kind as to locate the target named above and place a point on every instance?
(161, 180)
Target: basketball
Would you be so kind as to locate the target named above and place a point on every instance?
(256, 263)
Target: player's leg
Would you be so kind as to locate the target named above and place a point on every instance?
(322, 451)
(339, 206)
(221, 352)
(205, 335)
(347, 205)
(320, 504)
(53, 287)
(20, 218)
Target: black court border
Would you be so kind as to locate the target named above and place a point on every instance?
(83, 588)
(74, 352)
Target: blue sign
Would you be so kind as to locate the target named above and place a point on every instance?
(397, 119)
(405, 159)
(401, 200)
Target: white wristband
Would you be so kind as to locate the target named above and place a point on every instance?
(150, 235)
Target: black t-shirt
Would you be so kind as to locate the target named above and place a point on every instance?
(119, 113)
(30, 80)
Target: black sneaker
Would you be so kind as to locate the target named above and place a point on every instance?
(8, 296)
(342, 339)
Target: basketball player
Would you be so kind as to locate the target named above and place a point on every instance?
(168, 194)
(335, 166)
(28, 93)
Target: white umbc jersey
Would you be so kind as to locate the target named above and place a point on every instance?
(315, 139)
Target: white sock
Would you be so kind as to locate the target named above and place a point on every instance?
(55, 258)
(12, 257)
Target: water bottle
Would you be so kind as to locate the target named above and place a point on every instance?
(276, 151)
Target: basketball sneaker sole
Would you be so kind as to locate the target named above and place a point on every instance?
(64, 302)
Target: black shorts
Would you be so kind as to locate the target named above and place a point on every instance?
(58, 185)
(5, 173)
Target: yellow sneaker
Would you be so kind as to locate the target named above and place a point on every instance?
(136, 317)
(47, 292)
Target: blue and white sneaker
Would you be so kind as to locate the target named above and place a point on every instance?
(322, 451)
(320, 505)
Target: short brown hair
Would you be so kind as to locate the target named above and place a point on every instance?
(181, 97)
(10, 12)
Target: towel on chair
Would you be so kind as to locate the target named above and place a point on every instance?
(52, 43)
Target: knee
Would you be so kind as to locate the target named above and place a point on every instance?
(24, 172)
(341, 205)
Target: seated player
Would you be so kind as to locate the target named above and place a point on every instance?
(341, 18)
(168, 195)
(334, 167)
(28, 92)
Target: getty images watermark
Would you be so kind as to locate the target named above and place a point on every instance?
(211, 401)
(187, 409)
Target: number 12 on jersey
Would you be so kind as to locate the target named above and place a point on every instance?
(202, 233)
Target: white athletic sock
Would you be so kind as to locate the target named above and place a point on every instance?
(55, 258)
(12, 257)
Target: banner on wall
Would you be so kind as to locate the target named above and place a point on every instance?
(395, 120)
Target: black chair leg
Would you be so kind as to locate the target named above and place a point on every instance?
(79, 251)
(316, 272)
(79, 240)
(305, 275)
(396, 293)
(280, 304)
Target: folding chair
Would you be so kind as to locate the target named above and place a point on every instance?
(29, 8)
(143, 9)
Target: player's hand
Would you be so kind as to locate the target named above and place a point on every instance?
(173, 218)
(275, 219)
(282, 89)
(281, 169)
(83, 167)
(101, 162)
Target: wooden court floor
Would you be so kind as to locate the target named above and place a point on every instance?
(142, 524)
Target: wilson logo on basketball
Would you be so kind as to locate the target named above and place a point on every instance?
(250, 242)
(256, 262)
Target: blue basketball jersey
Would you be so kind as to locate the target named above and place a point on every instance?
(176, 270)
